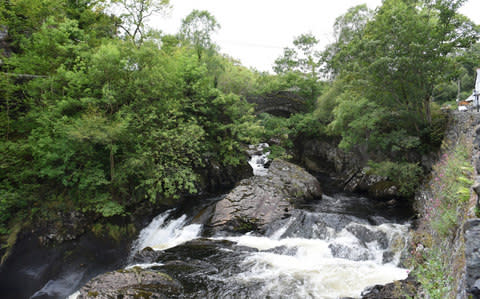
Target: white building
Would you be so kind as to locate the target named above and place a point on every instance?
(472, 99)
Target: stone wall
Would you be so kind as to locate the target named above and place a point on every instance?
(467, 125)
(464, 128)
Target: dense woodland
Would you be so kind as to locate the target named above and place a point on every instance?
(99, 112)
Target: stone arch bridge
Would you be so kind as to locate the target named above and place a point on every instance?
(279, 103)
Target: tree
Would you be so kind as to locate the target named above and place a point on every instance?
(302, 58)
(197, 28)
(299, 66)
(412, 43)
(135, 14)
(346, 28)
(403, 52)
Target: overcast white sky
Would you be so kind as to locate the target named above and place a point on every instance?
(256, 31)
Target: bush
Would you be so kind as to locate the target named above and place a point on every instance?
(406, 176)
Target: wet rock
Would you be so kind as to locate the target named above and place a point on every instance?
(388, 257)
(305, 225)
(377, 220)
(133, 283)
(67, 226)
(146, 255)
(283, 250)
(203, 266)
(401, 289)
(365, 235)
(339, 221)
(36, 271)
(260, 200)
(376, 186)
(214, 176)
(200, 249)
(324, 155)
(474, 291)
(352, 253)
(196, 269)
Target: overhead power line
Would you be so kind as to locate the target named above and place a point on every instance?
(252, 45)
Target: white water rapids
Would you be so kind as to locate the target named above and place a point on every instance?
(303, 268)
(306, 256)
(258, 158)
(161, 235)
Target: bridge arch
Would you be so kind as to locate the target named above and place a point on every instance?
(280, 103)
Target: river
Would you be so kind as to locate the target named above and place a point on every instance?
(329, 248)
(332, 248)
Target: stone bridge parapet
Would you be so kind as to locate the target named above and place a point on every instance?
(280, 103)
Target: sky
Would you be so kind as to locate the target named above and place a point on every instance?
(256, 31)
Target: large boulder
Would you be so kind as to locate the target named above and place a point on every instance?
(260, 200)
(401, 289)
(199, 268)
(133, 283)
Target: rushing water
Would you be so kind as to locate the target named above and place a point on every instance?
(305, 257)
(258, 158)
(161, 235)
(333, 248)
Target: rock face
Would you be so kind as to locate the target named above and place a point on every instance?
(133, 283)
(401, 289)
(348, 167)
(472, 244)
(216, 177)
(260, 200)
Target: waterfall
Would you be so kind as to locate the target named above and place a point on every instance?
(332, 248)
(309, 256)
(258, 158)
(162, 233)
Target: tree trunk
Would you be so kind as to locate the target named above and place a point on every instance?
(112, 164)
(428, 111)
(458, 89)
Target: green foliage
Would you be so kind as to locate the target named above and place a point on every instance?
(110, 122)
(406, 176)
(450, 191)
(197, 28)
(114, 231)
(110, 208)
(299, 67)
(347, 28)
(443, 213)
(55, 44)
(135, 14)
(357, 120)
(282, 132)
(306, 125)
(327, 102)
(237, 79)
(392, 61)
(432, 275)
